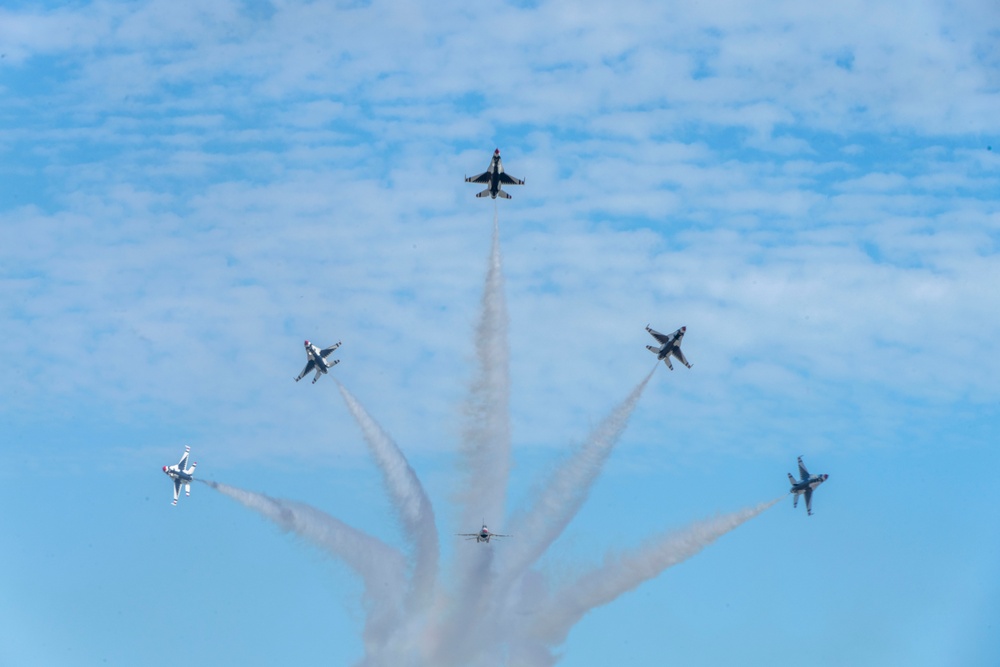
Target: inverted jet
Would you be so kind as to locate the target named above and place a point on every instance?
(318, 361)
(495, 177)
(805, 485)
(484, 535)
(670, 344)
(181, 474)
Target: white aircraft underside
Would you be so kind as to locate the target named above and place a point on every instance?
(317, 360)
(181, 474)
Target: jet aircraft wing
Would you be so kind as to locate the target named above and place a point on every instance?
(326, 351)
(309, 366)
(662, 338)
(680, 355)
(481, 178)
(803, 473)
(507, 179)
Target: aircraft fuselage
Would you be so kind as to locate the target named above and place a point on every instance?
(315, 356)
(495, 170)
(666, 349)
(178, 474)
(811, 483)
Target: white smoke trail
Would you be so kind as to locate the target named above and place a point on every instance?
(485, 448)
(464, 619)
(408, 497)
(382, 568)
(484, 464)
(622, 573)
(539, 526)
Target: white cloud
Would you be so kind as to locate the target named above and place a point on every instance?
(220, 185)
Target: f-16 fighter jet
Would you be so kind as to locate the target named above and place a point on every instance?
(496, 178)
(484, 535)
(669, 344)
(317, 360)
(805, 485)
(181, 475)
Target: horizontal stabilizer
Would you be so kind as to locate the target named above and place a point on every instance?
(501, 193)
(484, 193)
(654, 350)
(791, 479)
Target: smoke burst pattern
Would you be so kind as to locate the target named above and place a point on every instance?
(490, 608)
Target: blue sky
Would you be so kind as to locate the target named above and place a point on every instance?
(188, 190)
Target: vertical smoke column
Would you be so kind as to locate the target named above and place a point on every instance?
(566, 491)
(408, 497)
(381, 568)
(485, 447)
(484, 467)
(623, 573)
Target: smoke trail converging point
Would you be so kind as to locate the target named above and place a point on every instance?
(496, 609)
(408, 497)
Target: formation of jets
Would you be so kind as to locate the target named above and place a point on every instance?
(484, 535)
(805, 486)
(317, 359)
(495, 177)
(669, 346)
(181, 474)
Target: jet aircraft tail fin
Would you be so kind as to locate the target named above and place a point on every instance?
(501, 193)
(484, 193)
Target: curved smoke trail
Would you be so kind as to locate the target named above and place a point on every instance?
(622, 573)
(382, 568)
(564, 494)
(408, 497)
(493, 611)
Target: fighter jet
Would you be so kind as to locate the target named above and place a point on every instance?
(181, 475)
(317, 360)
(484, 535)
(496, 178)
(805, 485)
(669, 344)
